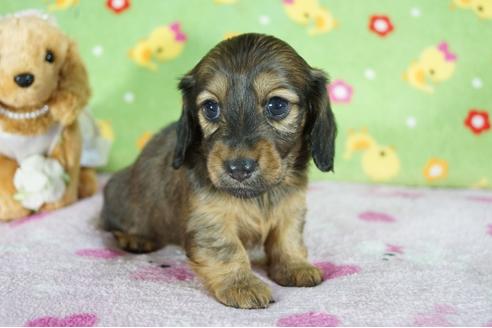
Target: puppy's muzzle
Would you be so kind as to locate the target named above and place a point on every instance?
(240, 169)
(24, 80)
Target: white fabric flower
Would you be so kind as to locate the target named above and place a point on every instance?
(39, 180)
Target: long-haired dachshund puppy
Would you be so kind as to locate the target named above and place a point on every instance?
(232, 172)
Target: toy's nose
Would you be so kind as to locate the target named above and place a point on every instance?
(240, 169)
(24, 80)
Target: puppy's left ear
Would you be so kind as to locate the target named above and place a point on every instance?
(321, 123)
(73, 90)
(185, 129)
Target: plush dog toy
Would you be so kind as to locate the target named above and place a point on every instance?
(43, 91)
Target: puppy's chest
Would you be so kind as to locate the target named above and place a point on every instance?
(255, 220)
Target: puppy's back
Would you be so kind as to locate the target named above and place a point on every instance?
(149, 198)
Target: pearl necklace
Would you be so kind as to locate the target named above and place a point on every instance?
(24, 116)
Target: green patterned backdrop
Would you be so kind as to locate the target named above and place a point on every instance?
(411, 79)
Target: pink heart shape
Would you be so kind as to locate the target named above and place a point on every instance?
(73, 320)
(332, 271)
(101, 253)
(371, 216)
(309, 319)
(178, 272)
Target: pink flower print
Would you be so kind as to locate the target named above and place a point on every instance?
(309, 319)
(340, 92)
(332, 271)
(73, 320)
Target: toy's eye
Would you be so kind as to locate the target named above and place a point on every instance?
(277, 108)
(211, 110)
(159, 50)
(49, 57)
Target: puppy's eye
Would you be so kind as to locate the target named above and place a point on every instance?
(49, 57)
(211, 110)
(277, 108)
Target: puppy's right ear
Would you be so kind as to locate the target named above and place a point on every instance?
(186, 127)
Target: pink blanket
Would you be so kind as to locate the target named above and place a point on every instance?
(391, 256)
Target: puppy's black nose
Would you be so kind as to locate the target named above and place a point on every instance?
(24, 80)
(240, 169)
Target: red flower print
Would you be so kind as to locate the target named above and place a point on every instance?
(381, 25)
(477, 121)
(118, 6)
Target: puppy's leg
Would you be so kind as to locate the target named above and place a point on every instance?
(287, 254)
(134, 243)
(220, 260)
(120, 218)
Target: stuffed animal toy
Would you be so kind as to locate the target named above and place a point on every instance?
(43, 93)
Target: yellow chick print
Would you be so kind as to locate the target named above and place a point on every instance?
(230, 35)
(435, 65)
(310, 12)
(380, 163)
(464, 4)
(482, 8)
(143, 139)
(62, 4)
(358, 141)
(105, 129)
(225, 2)
(164, 43)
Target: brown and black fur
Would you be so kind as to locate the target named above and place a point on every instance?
(178, 192)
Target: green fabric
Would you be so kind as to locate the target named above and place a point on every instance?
(383, 102)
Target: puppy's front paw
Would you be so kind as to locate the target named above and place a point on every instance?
(247, 293)
(296, 275)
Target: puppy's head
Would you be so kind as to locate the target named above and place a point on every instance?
(33, 53)
(255, 110)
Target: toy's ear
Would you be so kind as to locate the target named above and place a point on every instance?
(321, 124)
(186, 126)
(73, 90)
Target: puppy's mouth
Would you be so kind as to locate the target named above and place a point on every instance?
(244, 193)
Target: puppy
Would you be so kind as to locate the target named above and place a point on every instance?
(232, 172)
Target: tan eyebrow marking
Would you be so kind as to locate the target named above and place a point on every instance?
(205, 95)
(266, 82)
(287, 94)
